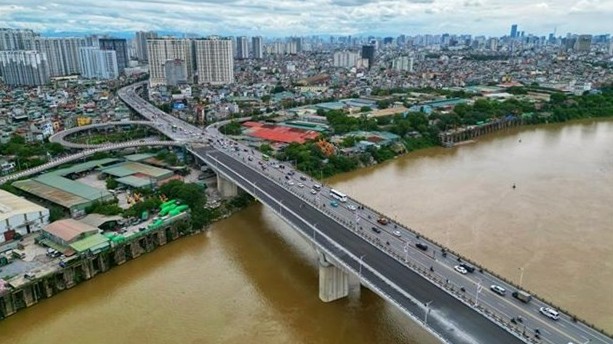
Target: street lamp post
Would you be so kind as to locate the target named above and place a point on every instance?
(360, 269)
(427, 312)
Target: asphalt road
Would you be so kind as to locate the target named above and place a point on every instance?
(448, 316)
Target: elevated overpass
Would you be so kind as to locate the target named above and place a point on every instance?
(61, 136)
(351, 244)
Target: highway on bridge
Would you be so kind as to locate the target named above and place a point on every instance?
(448, 316)
(386, 257)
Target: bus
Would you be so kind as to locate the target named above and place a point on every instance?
(265, 157)
(338, 195)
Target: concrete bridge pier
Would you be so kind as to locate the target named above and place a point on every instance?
(333, 281)
(226, 188)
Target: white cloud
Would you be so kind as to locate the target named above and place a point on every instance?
(305, 17)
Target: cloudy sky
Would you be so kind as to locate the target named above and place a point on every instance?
(307, 17)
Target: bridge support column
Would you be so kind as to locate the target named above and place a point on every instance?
(226, 188)
(333, 282)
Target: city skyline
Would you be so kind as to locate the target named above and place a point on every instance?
(317, 17)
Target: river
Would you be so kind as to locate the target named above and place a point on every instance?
(251, 279)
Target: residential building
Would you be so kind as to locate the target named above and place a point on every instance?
(62, 54)
(242, 48)
(258, 52)
(17, 39)
(160, 50)
(174, 71)
(214, 61)
(98, 64)
(345, 59)
(24, 68)
(141, 44)
(120, 46)
(403, 63)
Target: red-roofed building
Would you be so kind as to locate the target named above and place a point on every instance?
(279, 134)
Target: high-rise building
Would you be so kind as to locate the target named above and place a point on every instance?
(98, 64)
(141, 44)
(242, 47)
(492, 44)
(345, 59)
(24, 68)
(368, 52)
(258, 52)
(514, 31)
(120, 46)
(174, 70)
(214, 60)
(17, 39)
(160, 50)
(298, 43)
(583, 43)
(403, 63)
(62, 54)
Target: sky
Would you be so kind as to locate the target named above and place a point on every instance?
(310, 17)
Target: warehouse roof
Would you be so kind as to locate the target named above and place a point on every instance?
(86, 166)
(135, 182)
(69, 229)
(139, 157)
(57, 196)
(94, 243)
(131, 167)
(11, 205)
(82, 190)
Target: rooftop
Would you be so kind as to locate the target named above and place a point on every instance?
(11, 205)
(69, 229)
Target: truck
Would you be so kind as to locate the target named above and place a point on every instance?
(522, 296)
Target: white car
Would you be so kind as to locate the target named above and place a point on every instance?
(290, 183)
(460, 269)
(498, 289)
(313, 192)
(352, 207)
(550, 313)
(300, 185)
(396, 233)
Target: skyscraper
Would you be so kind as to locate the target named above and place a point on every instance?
(345, 59)
(141, 43)
(120, 46)
(62, 54)
(258, 52)
(583, 43)
(242, 47)
(98, 64)
(214, 61)
(24, 68)
(514, 31)
(160, 50)
(368, 52)
(174, 70)
(17, 39)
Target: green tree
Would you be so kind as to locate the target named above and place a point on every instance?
(111, 184)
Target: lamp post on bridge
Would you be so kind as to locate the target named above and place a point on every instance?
(427, 312)
(360, 269)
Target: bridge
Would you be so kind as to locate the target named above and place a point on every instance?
(352, 246)
(62, 135)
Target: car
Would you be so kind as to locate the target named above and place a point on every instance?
(250, 158)
(300, 185)
(316, 187)
(290, 183)
(303, 178)
(334, 204)
(396, 233)
(352, 207)
(383, 220)
(313, 192)
(498, 290)
(460, 269)
(375, 229)
(421, 246)
(550, 313)
(468, 268)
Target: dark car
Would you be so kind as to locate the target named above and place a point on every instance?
(376, 230)
(303, 178)
(468, 267)
(421, 246)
